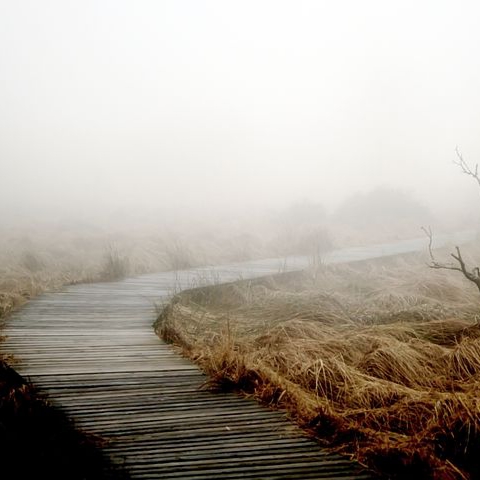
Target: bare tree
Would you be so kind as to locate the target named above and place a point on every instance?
(472, 274)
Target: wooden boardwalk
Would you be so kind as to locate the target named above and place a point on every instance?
(91, 348)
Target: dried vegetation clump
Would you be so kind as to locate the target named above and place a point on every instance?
(380, 360)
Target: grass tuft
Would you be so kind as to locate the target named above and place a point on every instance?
(115, 265)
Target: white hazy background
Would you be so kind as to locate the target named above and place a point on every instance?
(201, 105)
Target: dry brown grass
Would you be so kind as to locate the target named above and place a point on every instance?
(38, 258)
(380, 360)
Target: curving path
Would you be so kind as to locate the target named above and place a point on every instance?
(92, 349)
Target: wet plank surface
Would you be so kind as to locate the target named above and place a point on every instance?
(92, 349)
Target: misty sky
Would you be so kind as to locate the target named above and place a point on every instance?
(203, 103)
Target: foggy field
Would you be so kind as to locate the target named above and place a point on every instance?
(378, 359)
(39, 255)
(47, 256)
(154, 136)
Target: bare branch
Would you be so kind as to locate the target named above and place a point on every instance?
(438, 266)
(433, 262)
(465, 167)
(473, 275)
(460, 266)
(429, 234)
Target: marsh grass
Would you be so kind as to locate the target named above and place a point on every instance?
(115, 265)
(380, 360)
(38, 259)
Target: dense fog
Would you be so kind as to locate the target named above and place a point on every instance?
(182, 110)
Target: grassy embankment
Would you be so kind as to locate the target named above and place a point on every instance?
(380, 360)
